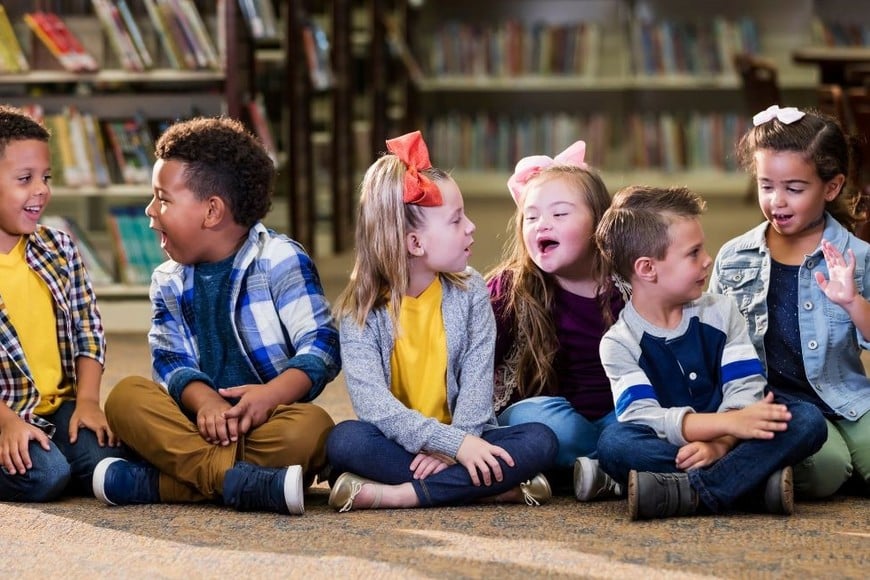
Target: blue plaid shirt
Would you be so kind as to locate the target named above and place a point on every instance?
(52, 254)
(278, 312)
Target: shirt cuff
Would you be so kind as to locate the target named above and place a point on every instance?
(183, 377)
(316, 370)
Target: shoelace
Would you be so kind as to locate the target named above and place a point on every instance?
(527, 495)
(355, 488)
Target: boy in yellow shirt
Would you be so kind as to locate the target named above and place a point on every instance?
(52, 347)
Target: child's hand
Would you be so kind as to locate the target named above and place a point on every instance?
(699, 454)
(88, 414)
(212, 425)
(15, 438)
(840, 288)
(426, 464)
(760, 420)
(255, 406)
(477, 455)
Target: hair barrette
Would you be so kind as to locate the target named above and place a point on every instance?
(786, 115)
(412, 151)
(528, 167)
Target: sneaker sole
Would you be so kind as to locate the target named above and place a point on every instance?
(98, 482)
(781, 501)
(632, 495)
(293, 492)
(582, 474)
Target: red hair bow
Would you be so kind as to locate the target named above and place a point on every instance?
(412, 151)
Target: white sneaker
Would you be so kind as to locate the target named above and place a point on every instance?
(590, 481)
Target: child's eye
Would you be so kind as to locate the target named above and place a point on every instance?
(24, 179)
(46, 178)
(530, 218)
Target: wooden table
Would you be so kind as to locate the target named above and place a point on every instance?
(834, 62)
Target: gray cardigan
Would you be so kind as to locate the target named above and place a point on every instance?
(470, 328)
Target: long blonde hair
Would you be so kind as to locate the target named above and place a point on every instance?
(530, 291)
(380, 274)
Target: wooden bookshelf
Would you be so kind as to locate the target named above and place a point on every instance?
(615, 84)
(111, 92)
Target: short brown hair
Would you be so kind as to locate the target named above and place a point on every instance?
(637, 222)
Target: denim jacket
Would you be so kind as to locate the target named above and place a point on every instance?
(831, 345)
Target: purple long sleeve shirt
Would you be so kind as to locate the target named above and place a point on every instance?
(579, 328)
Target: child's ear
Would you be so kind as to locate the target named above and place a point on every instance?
(645, 269)
(834, 186)
(414, 247)
(216, 209)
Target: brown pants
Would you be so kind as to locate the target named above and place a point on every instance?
(149, 421)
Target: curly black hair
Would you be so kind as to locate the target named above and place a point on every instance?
(16, 125)
(222, 158)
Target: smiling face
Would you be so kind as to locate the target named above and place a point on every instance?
(682, 274)
(791, 194)
(177, 215)
(25, 171)
(443, 242)
(557, 230)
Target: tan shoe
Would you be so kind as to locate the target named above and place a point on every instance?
(536, 491)
(347, 487)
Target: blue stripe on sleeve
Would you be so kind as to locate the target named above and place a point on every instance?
(741, 369)
(632, 394)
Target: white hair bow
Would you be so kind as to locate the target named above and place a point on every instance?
(787, 115)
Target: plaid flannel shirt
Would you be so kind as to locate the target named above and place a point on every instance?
(52, 254)
(279, 314)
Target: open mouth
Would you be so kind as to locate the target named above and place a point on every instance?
(34, 210)
(547, 246)
(781, 219)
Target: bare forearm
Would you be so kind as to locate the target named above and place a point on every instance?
(705, 426)
(196, 394)
(89, 373)
(289, 387)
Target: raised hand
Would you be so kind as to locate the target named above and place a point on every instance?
(840, 287)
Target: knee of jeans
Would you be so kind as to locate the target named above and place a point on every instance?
(807, 420)
(545, 440)
(344, 441)
(49, 475)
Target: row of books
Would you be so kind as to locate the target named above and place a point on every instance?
(692, 48)
(260, 18)
(828, 33)
(135, 247)
(181, 31)
(88, 151)
(513, 48)
(485, 141)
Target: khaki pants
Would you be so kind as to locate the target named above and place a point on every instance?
(149, 421)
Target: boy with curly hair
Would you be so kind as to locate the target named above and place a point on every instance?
(52, 430)
(242, 339)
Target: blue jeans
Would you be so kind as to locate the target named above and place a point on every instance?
(362, 449)
(577, 435)
(744, 469)
(65, 466)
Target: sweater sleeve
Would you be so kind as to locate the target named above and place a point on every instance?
(633, 394)
(743, 379)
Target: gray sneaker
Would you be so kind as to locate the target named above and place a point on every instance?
(590, 481)
(660, 495)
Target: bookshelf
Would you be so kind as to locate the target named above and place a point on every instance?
(115, 90)
(648, 84)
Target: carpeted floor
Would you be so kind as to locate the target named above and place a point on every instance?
(81, 538)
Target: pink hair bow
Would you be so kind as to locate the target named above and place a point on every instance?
(412, 151)
(528, 167)
(787, 115)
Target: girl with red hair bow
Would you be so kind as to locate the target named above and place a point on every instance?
(417, 337)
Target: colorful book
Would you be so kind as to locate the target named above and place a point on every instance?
(60, 41)
(99, 272)
(12, 59)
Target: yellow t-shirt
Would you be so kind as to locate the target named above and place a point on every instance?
(419, 359)
(30, 308)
